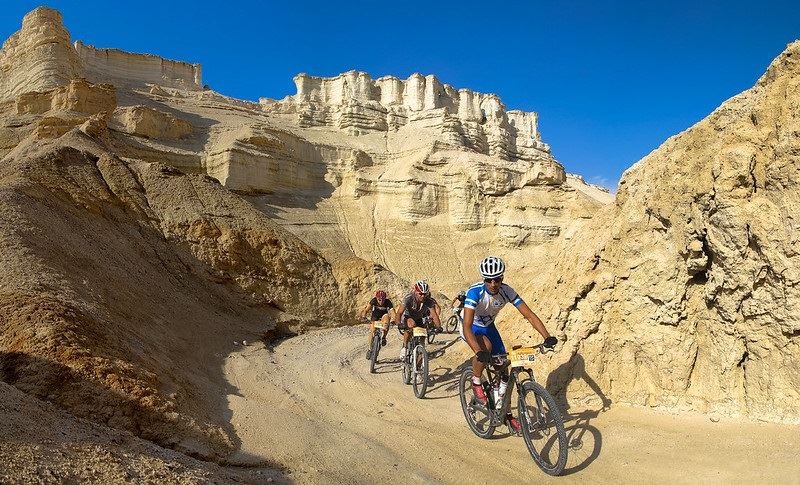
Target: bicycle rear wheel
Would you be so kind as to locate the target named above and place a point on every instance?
(452, 324)
(376, 347)
(477, 414)
(542, 428)
(420, 361)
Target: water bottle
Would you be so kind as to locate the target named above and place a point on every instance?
(499, 392)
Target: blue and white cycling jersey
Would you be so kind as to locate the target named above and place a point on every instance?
(486, 305)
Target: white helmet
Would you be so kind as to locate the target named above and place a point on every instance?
(422, 287)
(492, 267)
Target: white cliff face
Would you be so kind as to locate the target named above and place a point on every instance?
(38, 57)
(357, 104)
(127, 69)
(395, 167)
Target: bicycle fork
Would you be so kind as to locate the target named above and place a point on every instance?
(533, 419)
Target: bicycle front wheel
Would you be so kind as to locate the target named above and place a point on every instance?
(406, 369)
(477, 414)
(452, 324)
(420, 362)
(376, 347)
(542, 428)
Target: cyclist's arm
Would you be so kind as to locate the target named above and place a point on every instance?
(398, 314)
(533, 319)
(435, 315)
(365, 310)
(472, 341)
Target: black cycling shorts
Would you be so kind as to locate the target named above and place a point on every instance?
(418, 321)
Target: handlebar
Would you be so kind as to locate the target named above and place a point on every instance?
(502, 359)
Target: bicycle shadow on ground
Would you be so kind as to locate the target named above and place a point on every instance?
(387, 365)
(445, 379)
(442, 378)
(583, 439)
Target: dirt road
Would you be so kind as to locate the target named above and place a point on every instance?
(309, 404)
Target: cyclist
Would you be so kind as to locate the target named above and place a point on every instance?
(483, 301)
(416, 305)
(381, 308)
(458, 302)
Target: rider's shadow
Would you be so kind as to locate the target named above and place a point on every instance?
(584, 440)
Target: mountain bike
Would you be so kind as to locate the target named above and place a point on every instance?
(541, 423)
(452, 322)
(375, 346)
(415, 363)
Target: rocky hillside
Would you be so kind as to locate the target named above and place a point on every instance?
(683, 294)
(126, 280)
(414, 175)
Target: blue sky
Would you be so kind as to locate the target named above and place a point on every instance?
(610, 80)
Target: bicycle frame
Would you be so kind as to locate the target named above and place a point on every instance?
(494, 374)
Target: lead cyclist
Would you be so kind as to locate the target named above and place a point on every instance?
(483, 302)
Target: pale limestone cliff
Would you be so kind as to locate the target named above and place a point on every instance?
(38, 57)
(77, 96)
(357, 104)
(684, 294)
(128, 69)
(353, 165)
(151, 123)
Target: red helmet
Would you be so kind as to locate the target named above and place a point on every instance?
(422, 287)
(380, 294)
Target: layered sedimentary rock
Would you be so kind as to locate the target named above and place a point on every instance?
(356, 103)
(151, 123)
(128, 69)
(39, 56)
(684, 294)
(77, 96)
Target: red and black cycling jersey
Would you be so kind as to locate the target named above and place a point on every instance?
(379, 310)
(417, 310)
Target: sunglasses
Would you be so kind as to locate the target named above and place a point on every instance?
(499, 279)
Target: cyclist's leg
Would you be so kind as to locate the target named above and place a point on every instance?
(370, 334)
(485, 344)
(410, 324)
(385, 322)
(498, 347)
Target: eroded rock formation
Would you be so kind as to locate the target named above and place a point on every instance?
(355, 103)
(684, 294)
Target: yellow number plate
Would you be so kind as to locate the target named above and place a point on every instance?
(522, 357)
(420, 332)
